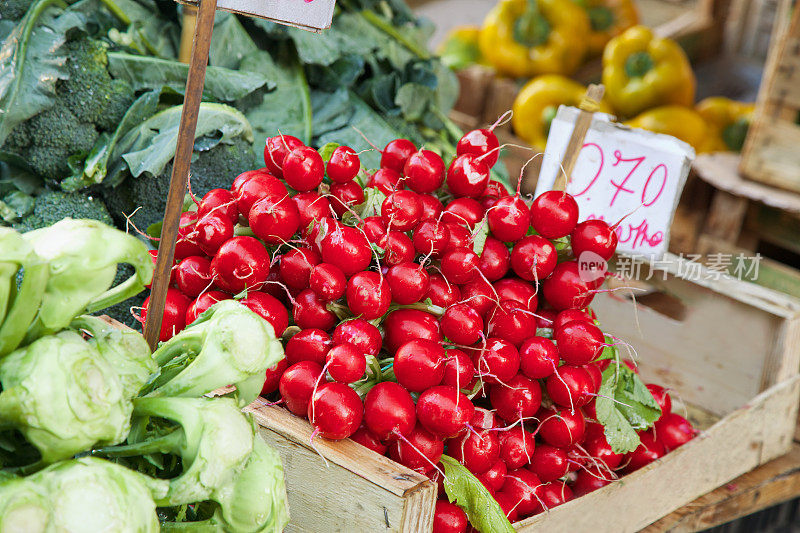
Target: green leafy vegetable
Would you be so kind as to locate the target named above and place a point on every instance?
(479, 237)
(468, 492)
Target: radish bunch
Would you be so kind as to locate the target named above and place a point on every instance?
(431, 312)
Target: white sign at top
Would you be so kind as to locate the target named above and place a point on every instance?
(621, 174)
(313, 15)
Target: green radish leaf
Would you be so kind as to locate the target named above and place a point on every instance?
(327, 151)
(479, 237)
(371, 206)
(467, 492)
(624, 406)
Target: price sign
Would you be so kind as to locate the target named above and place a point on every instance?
(311, 15)
(621, 173)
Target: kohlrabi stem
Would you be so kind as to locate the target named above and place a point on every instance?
(165, 444)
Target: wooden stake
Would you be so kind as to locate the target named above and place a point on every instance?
(188, 23)
(588, 107)
(180, 169)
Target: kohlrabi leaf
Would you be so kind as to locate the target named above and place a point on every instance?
(624, 406)
(231, 42)
(468, 492)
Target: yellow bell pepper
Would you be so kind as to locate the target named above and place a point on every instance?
(525, 38)
(537, 103)
(727, 120)
(682, 122)
(608, 18)
(460, 47)
(641, 71)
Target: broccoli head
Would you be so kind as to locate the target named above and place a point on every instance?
(51, 206)
(211, 169)
(13, 9)
(55, 135)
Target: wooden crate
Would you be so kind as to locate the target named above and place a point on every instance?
(770, 152)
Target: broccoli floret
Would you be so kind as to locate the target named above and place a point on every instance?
(18, 139)
(52, 206)
(212, 169)
(120, 98)
(13, 9)
(55, 135)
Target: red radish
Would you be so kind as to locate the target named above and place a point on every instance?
(449, 518)
(467, 176)
(494, 191)
(220, 203)
(579, 342)
(571, 386)
(518, 291)
(403, 325)
(303, 169)
(419, 451)
(519, 397)
(396, 153)
(545, 318)
(186, 248)
(297, 384)
(673, 431)
(366, 438)
(359, 333)
(594, 236)
(596, 375)
(459, 265)
(335, 410)
(479, 295)
(599, 449)
(276, 150)
(408, 282)
(296, 265)
(374, 228)
(269, 308)
(423, 171)
(523, 485)
(346, 196)
(494, 478)
(498, 361)
(273, 377)
(311, 206)
(565, 289)
(568, 315)
(419, 364)
(538, 357)
(193, 275)
(368, 295)
(348, 249)
(630, 364)
(554, 214)
(648, 451)
(509, 219)
(343, 165)
(346, 363)
(274, 220)
(175, 310)
(401, 210)
(389, 411)
(590, 479)
(241, 263)
(310, 312)
(198, 306)
(660, 394)
(554, 494)
(494, 259)
(511, 321)
(549, 463)
(314, 234)
(431, 237)
(480, 142)
(308, 345)
(441, 292)
(444, 411)
(211, 232)
(561, 428)
(385, 180)
(462, 324)
(244, 177)
(431, 206)
(258, 186)
(398, 248)
(327, 281)
(485, 419)
(516, 447)
(464, 212)
(460, 236)
(508, 504)
(533, 258)
(459, 371)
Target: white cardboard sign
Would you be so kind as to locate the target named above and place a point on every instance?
(313, 15)
(621, 172)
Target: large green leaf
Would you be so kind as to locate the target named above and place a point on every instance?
(231, 42)
(468, 492)
(30, 64)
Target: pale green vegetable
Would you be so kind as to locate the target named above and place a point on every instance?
(63, 396)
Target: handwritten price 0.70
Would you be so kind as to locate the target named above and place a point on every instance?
(659, 171)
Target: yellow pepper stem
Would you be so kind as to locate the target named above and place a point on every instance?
(638, 64)
(601, 18)
(532, 29)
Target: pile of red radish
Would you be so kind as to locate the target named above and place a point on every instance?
(425, 310)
